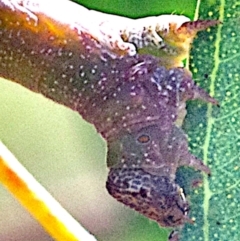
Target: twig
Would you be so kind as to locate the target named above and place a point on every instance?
(34, 197)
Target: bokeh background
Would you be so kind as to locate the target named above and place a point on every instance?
(67, 156)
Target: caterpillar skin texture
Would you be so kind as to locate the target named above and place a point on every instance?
(133, 101)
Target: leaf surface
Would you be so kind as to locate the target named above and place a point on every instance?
(214, 131)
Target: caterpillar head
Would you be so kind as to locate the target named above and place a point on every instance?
(156, 197)
(142, 174)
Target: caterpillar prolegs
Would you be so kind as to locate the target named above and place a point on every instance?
(103, 67)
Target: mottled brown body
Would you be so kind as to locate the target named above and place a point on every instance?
(133, 101)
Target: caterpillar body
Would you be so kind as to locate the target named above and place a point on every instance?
(133, 99)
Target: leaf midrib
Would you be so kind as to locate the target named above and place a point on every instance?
(210, 121)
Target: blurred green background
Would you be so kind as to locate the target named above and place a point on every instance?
(66, 154)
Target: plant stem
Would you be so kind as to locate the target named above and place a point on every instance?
(34, 197)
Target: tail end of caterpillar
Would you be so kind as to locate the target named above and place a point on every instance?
(191, 28)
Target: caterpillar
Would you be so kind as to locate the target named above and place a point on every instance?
(126, 79)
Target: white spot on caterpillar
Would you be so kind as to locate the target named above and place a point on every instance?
(82, 56)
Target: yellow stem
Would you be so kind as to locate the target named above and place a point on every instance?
(34, 197)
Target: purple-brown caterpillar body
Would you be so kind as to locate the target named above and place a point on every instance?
(133, 101)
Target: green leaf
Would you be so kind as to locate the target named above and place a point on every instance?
(214, 132)
(141, 8)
